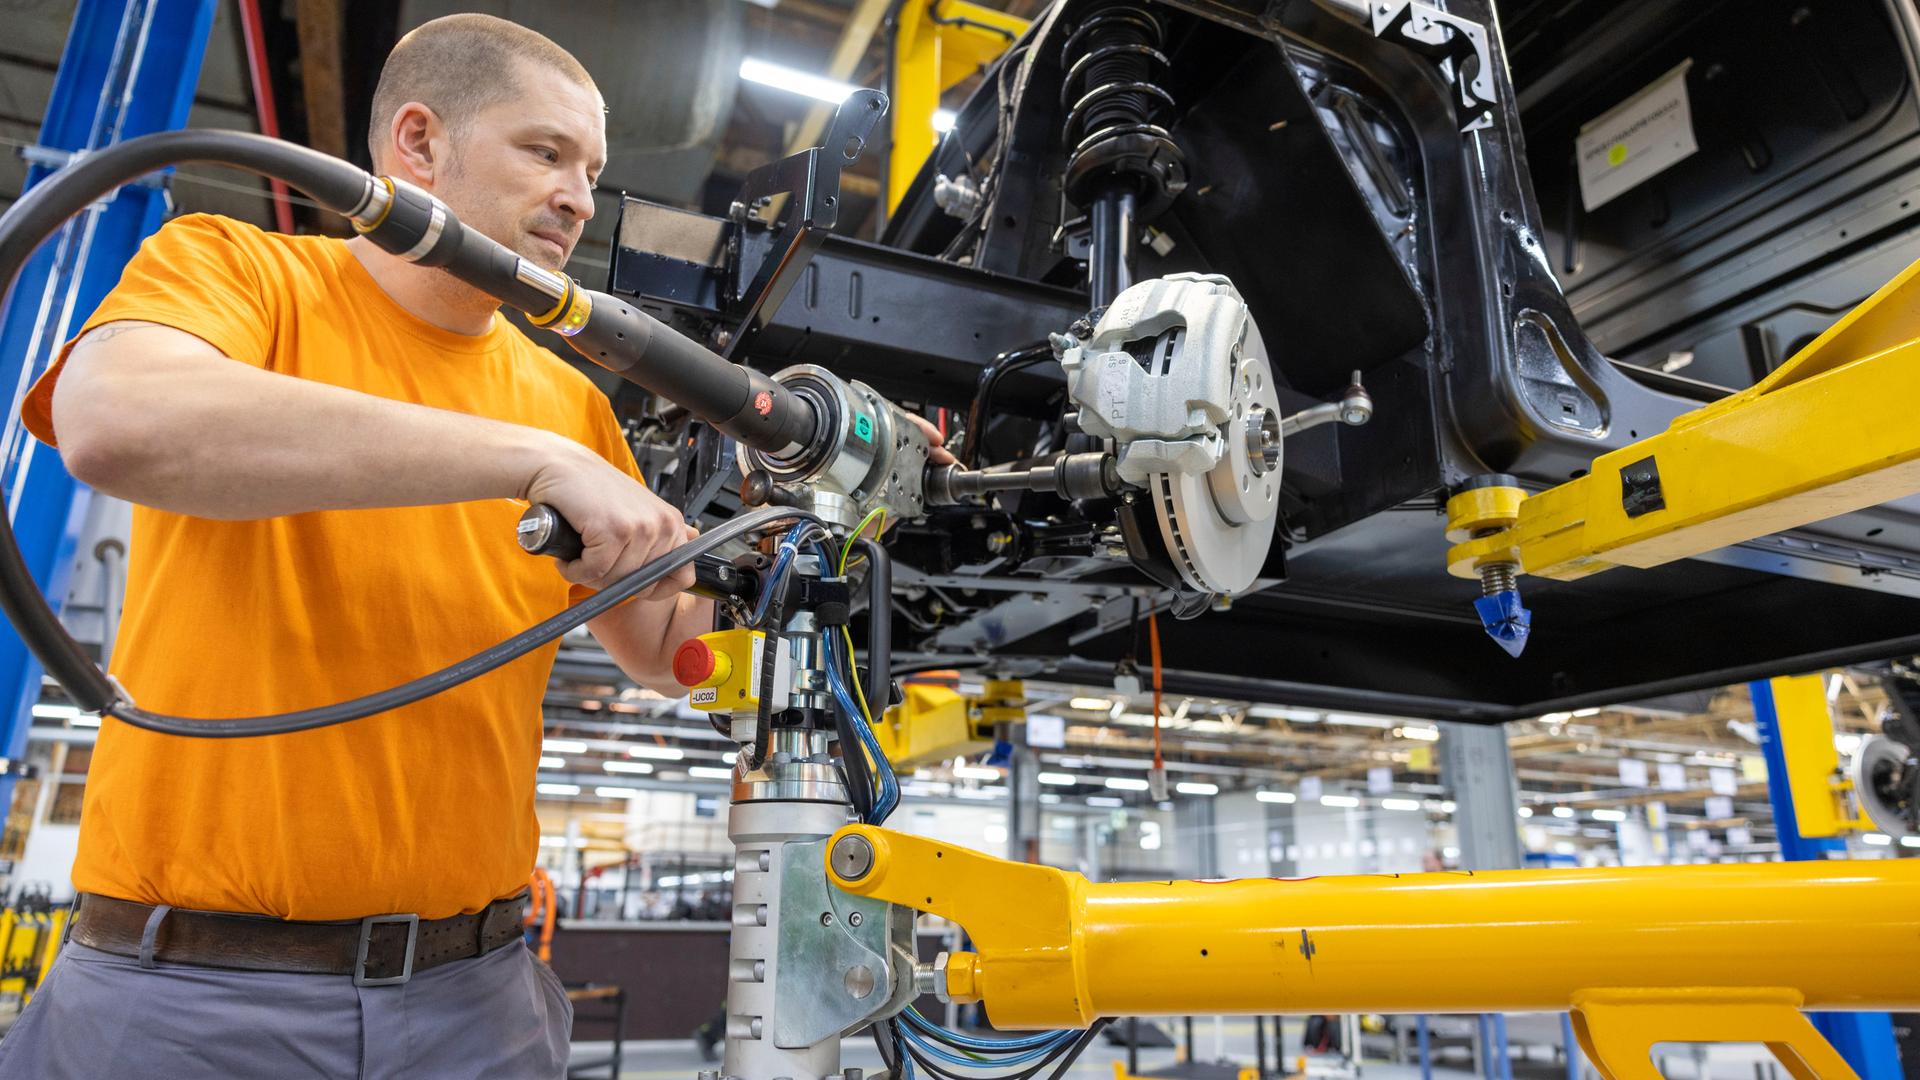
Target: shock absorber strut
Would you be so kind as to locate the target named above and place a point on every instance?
(1122, 166)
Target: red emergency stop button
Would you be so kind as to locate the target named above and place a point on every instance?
(693, 662)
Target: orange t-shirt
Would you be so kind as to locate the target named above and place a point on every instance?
(426, 809)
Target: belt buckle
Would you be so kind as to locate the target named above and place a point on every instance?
(366, 938)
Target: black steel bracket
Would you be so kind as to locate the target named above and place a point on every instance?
(810, 182)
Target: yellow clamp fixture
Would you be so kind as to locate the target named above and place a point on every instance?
(1826, 433)
(1481, 516)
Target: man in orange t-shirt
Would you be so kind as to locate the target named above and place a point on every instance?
(329, 447)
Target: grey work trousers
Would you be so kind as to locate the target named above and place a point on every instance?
(98, 1015)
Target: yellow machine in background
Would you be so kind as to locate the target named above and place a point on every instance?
(936, 723)
(937, 44)
(32, 939)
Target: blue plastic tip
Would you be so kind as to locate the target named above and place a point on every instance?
(1002, 753)
(1506, 622)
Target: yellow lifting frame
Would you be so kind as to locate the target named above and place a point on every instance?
(1639, 955)
(1830, 431)
(936, 45)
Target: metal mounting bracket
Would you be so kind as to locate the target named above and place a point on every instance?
(1439, 34)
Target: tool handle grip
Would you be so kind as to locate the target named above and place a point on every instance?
(542, 531)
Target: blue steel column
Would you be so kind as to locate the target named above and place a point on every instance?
(1864, 1039)
(129, 68)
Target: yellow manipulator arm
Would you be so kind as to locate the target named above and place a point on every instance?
(1054, 950)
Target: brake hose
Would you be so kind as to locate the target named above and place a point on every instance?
(416, 226)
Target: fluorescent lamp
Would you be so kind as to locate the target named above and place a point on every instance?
(1910, 841)
(1281, 712)
(553, 763)
(617, 792)
(943, 120)
(1357, 720)
(86, 719)
(1339, 800)
(1418, 734)
(1609, 815)
(563, 746)
(1563, 811)
(976, 772)
(1400, 804)
(1091, 704)
(795, 81)
(656, 753)
(1281, 797)
(730, 756)
(1104, 800)
(636, 768)
(1526, 811)
(1195, 787)
(1126, 783)
(1448, 807)
(561, 841)
(557, 789)
(56, 712)
(709, 772)
(1876, 839)
(1058, 779)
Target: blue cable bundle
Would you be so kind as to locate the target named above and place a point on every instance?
(913, 1037)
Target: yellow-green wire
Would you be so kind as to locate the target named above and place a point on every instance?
(859, 691)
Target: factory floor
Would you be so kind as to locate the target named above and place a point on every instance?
(1534, 1042)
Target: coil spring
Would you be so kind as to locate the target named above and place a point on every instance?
(1109, 90)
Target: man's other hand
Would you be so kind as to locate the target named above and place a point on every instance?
(937, 452)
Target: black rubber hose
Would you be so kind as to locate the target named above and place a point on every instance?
(331, 182)
(473, 666)
(987, 382)
(744, 403)
(879, 627)
(762, 747)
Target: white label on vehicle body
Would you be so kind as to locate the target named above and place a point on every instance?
(1636, 139)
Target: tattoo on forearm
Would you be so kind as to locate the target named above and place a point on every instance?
(100, 335)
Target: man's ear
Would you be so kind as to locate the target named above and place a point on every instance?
(418, 147)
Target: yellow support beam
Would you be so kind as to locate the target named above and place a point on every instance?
(1829, 432)
(937, 44)
(1820, 788)
(1746, 939)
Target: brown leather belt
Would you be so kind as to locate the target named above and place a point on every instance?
(380, 950)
